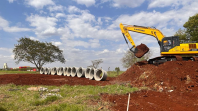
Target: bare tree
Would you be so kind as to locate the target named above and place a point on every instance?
(129, 58)
(95, 63)
(117, 69)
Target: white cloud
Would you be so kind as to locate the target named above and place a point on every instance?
(58, 15)
(85, 25)
(87, 3)
(15, 29)
(94, 43)
(105, 51)
(56, 43)
(39, 4)
(4, 25)
(73, 9)
(45, 26)
(11, 1)
(165, 3)
(33, 38)
(75, 43)
(128, 3)
(6, 49)
(56, 8)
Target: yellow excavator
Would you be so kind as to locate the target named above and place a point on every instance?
(170, 47)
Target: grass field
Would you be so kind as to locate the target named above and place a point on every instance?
(74, 98)
(18, 72)
(114, 73)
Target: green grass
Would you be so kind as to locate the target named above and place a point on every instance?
(74, 98)
(64, 107)
(114, 73)
(17, 72)
(45, 101)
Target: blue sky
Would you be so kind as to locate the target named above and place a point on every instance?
(88, 29)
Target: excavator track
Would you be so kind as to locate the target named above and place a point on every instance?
(195, 58)
(162, 59)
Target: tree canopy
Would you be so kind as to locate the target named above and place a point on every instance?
(182, 35)
(192, 27)
(37, 53)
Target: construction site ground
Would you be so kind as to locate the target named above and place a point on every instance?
(169, 86)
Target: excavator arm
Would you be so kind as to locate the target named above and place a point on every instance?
(142, 49)
(140, 29)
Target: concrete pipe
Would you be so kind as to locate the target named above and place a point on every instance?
(65, 71)
(60, 71)
(100, 75)
(81, 72)
(74, 71)
(69, 71)
(54, 71)
(92, 73)
(87, 72)
(42, 70)
(47, 71)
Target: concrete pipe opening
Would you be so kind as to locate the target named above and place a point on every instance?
(69, 71)
(74, 71)
(81, 72)
(87, 72)
(65, 71)
(46, 71)
(54, 71)
(60, 71)
(100, 75)
(49, 70)
(42, 70)
(92, 73)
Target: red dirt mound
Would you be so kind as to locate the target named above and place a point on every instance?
(40, 79)
(172, 75)
(174, 87)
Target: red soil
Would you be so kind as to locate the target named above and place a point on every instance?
(142, 49)
(173, 86)
(40, 79)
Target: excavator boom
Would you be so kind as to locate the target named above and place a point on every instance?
(140, 29)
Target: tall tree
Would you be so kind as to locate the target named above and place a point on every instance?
(37, 53)
(182, 35)
(129, 58)
(192, 27)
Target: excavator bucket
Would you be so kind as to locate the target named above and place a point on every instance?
(141, 50)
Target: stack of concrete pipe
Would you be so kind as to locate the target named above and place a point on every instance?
(90, 73)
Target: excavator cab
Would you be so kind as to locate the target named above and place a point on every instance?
(169, 42)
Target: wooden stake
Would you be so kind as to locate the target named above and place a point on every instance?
(128, 102)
